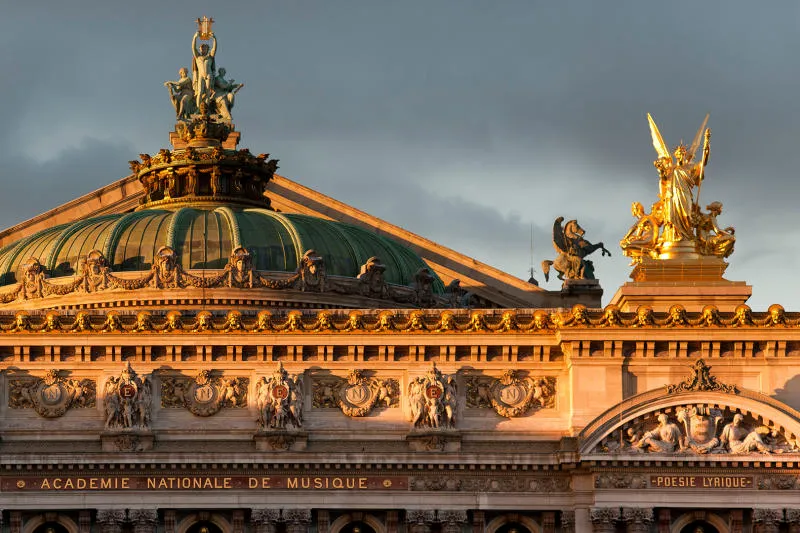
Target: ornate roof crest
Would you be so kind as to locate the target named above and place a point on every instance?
(701, 380)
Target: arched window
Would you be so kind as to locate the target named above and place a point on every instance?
(699, 526)
(357, 527)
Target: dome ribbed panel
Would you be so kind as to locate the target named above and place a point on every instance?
(76, 241)
(341, 258)
(270, 239)
(131, 246)
(233, 225)
(25, 249)
(202, 239)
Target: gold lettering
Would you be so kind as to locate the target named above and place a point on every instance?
(105, 483)
(45, 484)
(291, 483)
(197, 483)
(317, 482)
(226, 483)
(337, 483)
(68, 484)
(692, 481)
(252, 483)
(305, 482)
(162, 483)
(265, 483)
(151, 483)
(351, 483)
(81, 483)
(745, 481)
(362, 483)
(57, 483)
(125, 481)
(207, 484)
(93, 483)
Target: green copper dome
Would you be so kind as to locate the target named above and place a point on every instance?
(203, 238)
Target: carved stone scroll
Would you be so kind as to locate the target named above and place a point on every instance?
(205, 394)
(52, 395)
(357, 395)
(511, 395)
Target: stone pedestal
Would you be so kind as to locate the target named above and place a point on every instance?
(434, 441)
(127, 441)
(581, 291)
(230, 143)
(281, 441)
(694, 282)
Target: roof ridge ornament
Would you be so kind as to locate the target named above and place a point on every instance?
(203, 103)
(701, 380)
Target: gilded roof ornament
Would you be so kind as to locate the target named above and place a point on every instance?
(676, 226)
(701, 380)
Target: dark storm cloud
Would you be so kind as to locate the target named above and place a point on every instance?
(464, 121)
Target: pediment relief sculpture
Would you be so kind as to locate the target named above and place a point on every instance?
(50, 396)
(205, 394)
(699, 429)
(511, 395)
(356, 395)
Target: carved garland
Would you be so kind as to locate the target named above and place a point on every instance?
(511, 395)
(357, 395)
(51, 396)
(415, 321)
(95, 275)
(205, 394)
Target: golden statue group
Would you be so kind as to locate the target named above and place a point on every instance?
(676, 227)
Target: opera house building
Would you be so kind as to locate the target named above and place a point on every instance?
(205, 346)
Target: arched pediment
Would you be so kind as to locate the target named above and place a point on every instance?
(693, 418)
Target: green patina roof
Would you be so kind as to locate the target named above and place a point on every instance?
(204, 238)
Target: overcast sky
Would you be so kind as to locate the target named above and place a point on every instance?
(463, 121)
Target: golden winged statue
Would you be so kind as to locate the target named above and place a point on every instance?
(676, 225)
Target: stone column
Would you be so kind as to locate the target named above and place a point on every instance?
(169, 521)
(548, 522)
(84, 522)
(604, 519)
(110, 520)
(567, 521)
(144, 520)
(15, 522)
(452, 520)
(264, 520)
(392, 521)
(767, 520)
(238, 521)
(664, 520)
(637, 519)
(478, 521)
(297, 520)
(793, 518)
(737, 521)
(419, 521)
(323, 521)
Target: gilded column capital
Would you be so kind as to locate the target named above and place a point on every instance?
(793, 518)
(297, 520)
(638, 519)
(144, 520)
(767, 520)
(568, 521)
(452, 520)
(604, 519)
(419, 521)
(264, 520)
(110, 520)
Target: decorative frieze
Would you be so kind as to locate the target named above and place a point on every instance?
(479, 484)
(52, 395)
(205, 394)
(511, 395)
(604, 519)
(357, 395)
